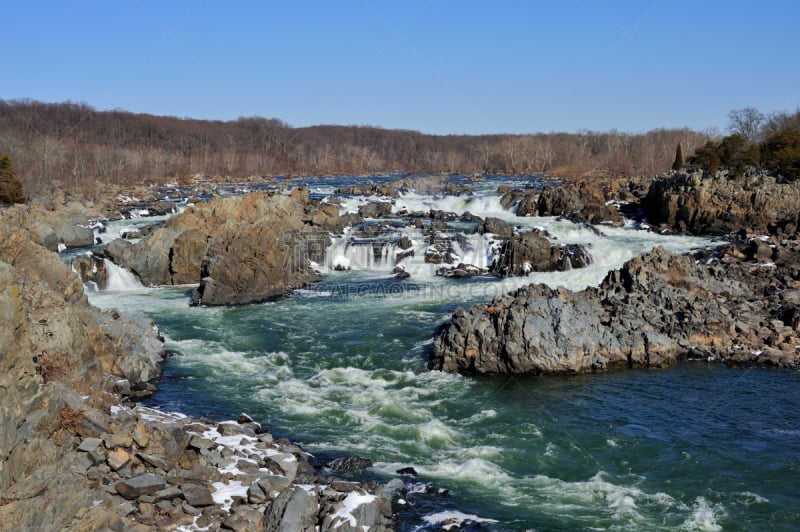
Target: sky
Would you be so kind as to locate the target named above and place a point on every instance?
(436, 66)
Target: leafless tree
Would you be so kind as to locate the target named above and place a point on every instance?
(746, 122)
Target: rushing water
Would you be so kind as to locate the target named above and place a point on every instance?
(341, 368)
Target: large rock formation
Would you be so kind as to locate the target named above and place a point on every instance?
(702, 204)
(582, 201)
(67, 226)
(58, 356)
(240, 249)
(533, 252)
(656, 309)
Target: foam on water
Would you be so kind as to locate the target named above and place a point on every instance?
(119, 279)
(704, 517)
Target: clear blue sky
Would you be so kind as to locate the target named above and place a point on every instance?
(435, 66)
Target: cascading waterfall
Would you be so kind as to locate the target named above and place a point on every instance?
(120, 279)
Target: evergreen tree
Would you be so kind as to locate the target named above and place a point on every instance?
(11, 190)
(678, 164)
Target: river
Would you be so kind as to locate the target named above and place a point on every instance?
(340, 367)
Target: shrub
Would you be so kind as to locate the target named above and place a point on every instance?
(11, 190)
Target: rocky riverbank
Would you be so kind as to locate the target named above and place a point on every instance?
(75, 454)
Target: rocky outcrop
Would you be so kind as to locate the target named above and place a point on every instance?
(592, 200)
(103, 350)
(701, 204)
(62, 362)
(655, 310)
(533, 252)
(582, 201)
(67, 227)
(240, 249)
(91, 270)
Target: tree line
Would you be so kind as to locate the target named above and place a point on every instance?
(756, 141)
(72, 146)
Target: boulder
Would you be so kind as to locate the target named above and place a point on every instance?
(237, 249)
(135, 487)
(375, 209)
(91, 269)
(496, 226)
(294, 510)
(349, 464)
(582, 201)
(533, 252)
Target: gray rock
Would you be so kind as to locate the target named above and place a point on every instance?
(533, 252)
(197, 495)
(640, 316)
(90, 444)
(145, 484)
(349, 464)
(294, 510)
(375, 209)
(705, 204)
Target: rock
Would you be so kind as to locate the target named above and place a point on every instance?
(240, 249)
(119, 458)
(533, 252)
(409, 471)
(655, 310)
(389, 496)
(375, 209)
(349, 464)
(294, 510)
(759, 250)
(581, 201)
(496, 226)
(704, 204)
(140, 485)
(90, 444)
(461, 270)
(344, 486)
(196, 495)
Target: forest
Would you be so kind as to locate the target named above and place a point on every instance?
(75, 148)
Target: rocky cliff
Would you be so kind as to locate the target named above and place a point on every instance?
(59, 356)
(697, 203)
(238, 250)
(655, 310)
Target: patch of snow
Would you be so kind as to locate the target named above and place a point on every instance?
(351, 502)
(452, 519)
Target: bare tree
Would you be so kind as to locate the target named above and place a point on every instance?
(746, 122)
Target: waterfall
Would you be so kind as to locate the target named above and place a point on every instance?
(119, 279)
